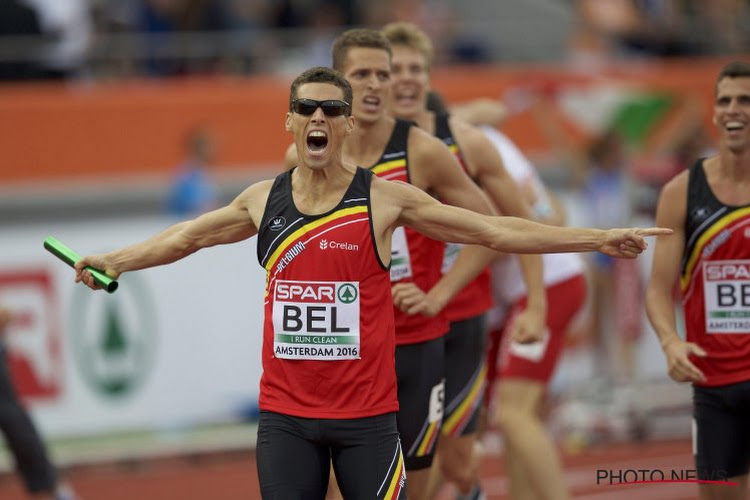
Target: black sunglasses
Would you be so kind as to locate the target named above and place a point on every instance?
(307, 107)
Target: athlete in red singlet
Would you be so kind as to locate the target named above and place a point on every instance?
(708, 206)
(311, 311)
(327, 299)
(465, 342)
(398, 151)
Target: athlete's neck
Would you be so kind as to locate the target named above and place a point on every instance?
(366, 143)
(319, 190)
(735, 165)
(425, 119)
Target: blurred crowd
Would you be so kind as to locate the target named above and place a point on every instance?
(57, 39)
(662, 28)
(111, 38)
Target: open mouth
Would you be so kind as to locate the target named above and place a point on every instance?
(405, 98)
(371, 102)
(317, 140)
(734, 126)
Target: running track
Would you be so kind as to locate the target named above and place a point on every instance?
(232, 476)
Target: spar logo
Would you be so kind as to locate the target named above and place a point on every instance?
(730, 270)
(305, 292)
(347, 293)
(114, 337)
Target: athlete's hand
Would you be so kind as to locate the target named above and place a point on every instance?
(679, 366)
(100, 261)
(527, 327)
(629, 243)
(411, 299)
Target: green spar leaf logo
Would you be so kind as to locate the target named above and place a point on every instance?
(113, 339)
(347, 293)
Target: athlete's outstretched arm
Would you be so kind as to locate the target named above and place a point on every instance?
(664, 274)
(234, 222)
(414, 208)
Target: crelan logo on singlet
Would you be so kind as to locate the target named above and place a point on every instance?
(338, 245)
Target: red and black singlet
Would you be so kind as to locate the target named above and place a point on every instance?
(715, 282)
(328, 335)
(414, 256)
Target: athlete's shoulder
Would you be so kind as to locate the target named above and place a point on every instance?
(672, 205)
(471, 138)
(255, 193)
(677, 184)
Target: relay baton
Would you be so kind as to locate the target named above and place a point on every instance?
(68, 256)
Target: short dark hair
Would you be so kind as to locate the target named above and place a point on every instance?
(321, 74)
(357, 38)
(735, 69)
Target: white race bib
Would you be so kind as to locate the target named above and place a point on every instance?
(316, 320)
(726, 290)
(400, 257)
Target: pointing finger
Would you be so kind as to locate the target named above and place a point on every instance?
(655, 231)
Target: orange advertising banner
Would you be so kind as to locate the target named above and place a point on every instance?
(114, 130)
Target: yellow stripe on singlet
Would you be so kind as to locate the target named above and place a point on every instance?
(712, 231)
(307, 227)
(389, 165)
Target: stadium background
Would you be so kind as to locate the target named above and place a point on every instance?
(152, 391)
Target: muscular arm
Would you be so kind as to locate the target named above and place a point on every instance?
(403, 204)
(664, 274)
(234, 222)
